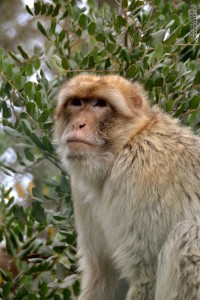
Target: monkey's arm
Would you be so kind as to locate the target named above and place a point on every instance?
(178, 274)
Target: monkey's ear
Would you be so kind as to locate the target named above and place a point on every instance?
(137, 101)
(138, 96)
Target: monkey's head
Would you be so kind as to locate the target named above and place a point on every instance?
(94, 117)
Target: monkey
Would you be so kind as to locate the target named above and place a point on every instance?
(134, 173)
(178, 274)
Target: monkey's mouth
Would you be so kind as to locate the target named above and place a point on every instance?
(78, 141)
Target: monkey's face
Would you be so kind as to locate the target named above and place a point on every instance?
(94, 117)
(84, 124)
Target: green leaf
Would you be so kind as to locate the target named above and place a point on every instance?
(29, 10)
(19, 81)
(155, 15)
(157, 37)
(12, 132)
(64, 185)
(91, 62)
(107, 63)
(19, 213)
(6, 290)
(100, 37)
(171, 78)
(36, 64)
(134, 5)
(110, 47)
(65, 64)
(53, 28)
(42, 30)
(47, 145)
(26, 125)
(47, 125)
(29, 155)
(132, 71)
(59, 248)
(159, 82)
(62, 36)
(19, 232)
(61, 271)
(6, 110)
(39, 213)
(50, 10)
(83, 21)
(56, 10)
(1, 63)
(9, 246)
(31, 108)
(92, 28)
(29, 89)
(124, 3)
(169, 106)
(121, 20)
(36, 193)
(194, 102)
(14, 56)
(8, 72)
(125, 55)
(183, 107)
(37, 8)
(20, 293)
(159, 51)
(197, 78)
(36, 140)
(23, 53)
(44, 116)
(38, 99)
(29, 69)
(1, 234)
(173, 36)
(43, 9)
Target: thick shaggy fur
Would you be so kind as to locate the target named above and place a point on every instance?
(130, 196)
(178, 275)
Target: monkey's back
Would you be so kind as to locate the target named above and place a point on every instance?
(159, 172)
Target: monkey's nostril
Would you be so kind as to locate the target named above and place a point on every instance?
(82, 125)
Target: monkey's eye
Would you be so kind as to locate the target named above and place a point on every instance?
(76, 102)
(100, 103)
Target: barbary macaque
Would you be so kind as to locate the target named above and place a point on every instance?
(178, 274)
(135, 174)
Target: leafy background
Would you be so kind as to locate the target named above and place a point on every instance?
(149, 42)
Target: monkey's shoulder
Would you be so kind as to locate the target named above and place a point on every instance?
(164, 148)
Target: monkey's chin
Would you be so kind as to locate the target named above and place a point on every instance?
(79, 150)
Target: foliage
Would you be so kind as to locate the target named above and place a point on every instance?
(148, 43)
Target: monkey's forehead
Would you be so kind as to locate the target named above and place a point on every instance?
(119, 92)
(112, 81)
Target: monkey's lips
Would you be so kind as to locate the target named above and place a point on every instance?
(75, 140)
(77, 144)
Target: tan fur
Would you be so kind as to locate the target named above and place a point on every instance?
(178, 275)
(140, 179)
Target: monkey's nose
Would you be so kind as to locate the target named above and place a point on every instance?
(82, 125)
